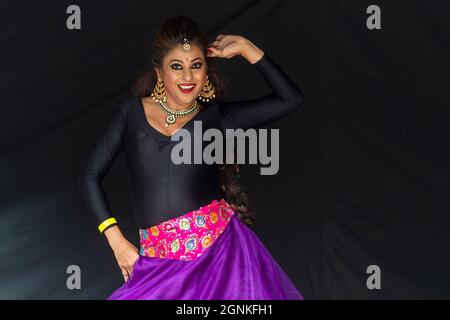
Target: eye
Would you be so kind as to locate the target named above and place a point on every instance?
(176, 66)
(197, 65)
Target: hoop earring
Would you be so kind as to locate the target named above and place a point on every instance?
(207, 91)
(159, 93)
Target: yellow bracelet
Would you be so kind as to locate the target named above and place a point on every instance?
(106, 224)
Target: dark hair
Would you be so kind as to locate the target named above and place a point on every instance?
(171, 34)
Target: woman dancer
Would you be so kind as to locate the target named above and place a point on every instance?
(194, 221)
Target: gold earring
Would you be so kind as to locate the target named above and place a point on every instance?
(159, 93)
(207, 91)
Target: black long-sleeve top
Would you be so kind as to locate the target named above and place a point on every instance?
(160, 189)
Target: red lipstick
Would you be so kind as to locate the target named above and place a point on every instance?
(186, 87)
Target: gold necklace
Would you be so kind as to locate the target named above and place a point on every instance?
(173, 114)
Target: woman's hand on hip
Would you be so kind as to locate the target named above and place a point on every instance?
(125, 252)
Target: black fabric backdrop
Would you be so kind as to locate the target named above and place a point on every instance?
(364, 164)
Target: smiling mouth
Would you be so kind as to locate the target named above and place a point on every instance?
(186, 88)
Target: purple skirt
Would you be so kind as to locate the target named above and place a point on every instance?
(237, 266)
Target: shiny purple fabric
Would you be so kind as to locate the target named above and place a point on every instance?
(236, 267)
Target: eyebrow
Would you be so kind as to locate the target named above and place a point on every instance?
(182, 61)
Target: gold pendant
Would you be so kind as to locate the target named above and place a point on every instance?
(170, 119)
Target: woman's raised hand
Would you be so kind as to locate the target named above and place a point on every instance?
(228, 46)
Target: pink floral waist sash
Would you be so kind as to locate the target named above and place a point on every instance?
(188, 236)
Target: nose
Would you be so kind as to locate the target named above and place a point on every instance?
(187, 75)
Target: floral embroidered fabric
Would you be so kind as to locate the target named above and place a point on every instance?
(188, 236)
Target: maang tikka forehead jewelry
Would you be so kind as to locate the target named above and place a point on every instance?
(186, 44)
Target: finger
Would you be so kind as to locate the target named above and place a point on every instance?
(212, 52)
(125, 273)
(219, 39)
(214, 44)
(131, 267)
(217, 49)
(130, 270)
